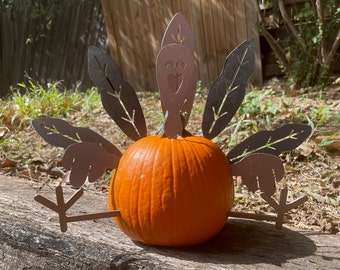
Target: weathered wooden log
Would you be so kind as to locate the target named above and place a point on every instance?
(30, 238)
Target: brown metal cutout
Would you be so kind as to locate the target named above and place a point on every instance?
(280, 207)
(61, 208)
(176, 78)
(58, 132)
(88, 155)
(283, 207)
(118, 97)
(179, 32)
(88, 161)
(259, 172)
(285, 138)
(227, 91)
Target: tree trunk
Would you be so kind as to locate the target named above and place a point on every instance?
(291, 26)
(274, 45)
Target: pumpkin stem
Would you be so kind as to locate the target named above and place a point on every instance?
(161, 130)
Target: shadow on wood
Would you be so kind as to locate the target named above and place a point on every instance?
(245, 242)
(31, 238)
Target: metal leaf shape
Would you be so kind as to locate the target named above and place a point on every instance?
(118, 97)
(176, 78)
(227, 91)
(88, 161)
(58, 132)
(259, 171)
(179, 31)
(285, 138)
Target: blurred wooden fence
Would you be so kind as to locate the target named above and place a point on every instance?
(135, 29)
(48, 40)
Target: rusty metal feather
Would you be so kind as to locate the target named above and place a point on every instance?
(259, 171)
(285, 138)
(118, 97)
(58, 132)
(228, 90)
(88, 161)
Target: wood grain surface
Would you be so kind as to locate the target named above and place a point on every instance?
(30, 238)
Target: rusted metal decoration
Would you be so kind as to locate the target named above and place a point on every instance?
(61, 208)
(176, 83)
(260, 171)
(255, 161)
(176, 75)
(285, 138)
(256, 176)
(179, 32)
(58, 132)
(77, 159)
(118, 97)
(280, 207)
(88, 155)
(227, 91)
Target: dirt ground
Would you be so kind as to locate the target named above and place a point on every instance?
(312, 170)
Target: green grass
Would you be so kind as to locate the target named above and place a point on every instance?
(30, 101)
(261, 109)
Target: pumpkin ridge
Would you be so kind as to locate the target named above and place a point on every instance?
(115, 197)
(152, 190)
(176, 150)
(201, 167)
(154, 183)
(131, 210)
(154, 147)
(197, 158)
(207, 166)
(189, 147)
(139, 193)
(183, 151)
(134, 195)
(174, 190)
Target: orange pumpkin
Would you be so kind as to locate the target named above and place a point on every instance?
(172, 192)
